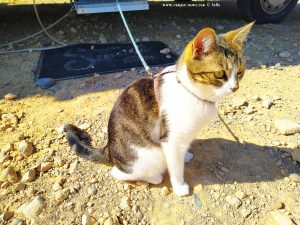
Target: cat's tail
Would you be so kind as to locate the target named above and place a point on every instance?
(79, 142)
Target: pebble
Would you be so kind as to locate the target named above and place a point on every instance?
(73, 30)
(84, 126)
(16, 221)
(10, 96)
(10, 118)
(87, 220)
(239, 102)
(241, 195)
(267, 103)
(245, 212)
(73, 167)
(124, 203)
(233, 201)
(34, 208)
(165, 51)
(45, 83)
(278, 205)
(178, 36)
(6, 216)
(56, 186)
(9, 174)
(28, 176)
(145, 39)
(61, 195)
(295, 177)
(164, 191)
(296, 154)
(46, 166)
(25, 148)
(256, 98)
(286, 126)
(102, 39)
(249, 110)
(277, 218)
(92, 190)
(219, 27)
(284, 54)
(20, 186)
(277, 66)
(112, 221)
(7, 148)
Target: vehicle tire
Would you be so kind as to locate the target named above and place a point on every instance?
(265, 11)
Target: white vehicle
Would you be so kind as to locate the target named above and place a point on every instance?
(262, 11)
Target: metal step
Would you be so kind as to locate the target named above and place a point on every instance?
(101, 6)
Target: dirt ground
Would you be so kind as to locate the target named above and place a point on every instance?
(231, 183)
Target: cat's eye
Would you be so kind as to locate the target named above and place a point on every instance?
(220, 74)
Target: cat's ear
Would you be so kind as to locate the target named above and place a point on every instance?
(204, 42)
(239, 36)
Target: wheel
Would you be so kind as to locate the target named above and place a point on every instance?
(265, 11)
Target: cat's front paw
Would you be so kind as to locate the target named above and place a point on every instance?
(181, 189)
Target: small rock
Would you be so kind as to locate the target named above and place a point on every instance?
(7, 148)
(277, 218)
(60, 196)
(295, 177)
(113, 220)
(279, 162)
(20, 186)
(46, 166)
(124, 203)
(286, 126)
(278, 205)
(239, 102)
(284, 54)
(92, 190)
(245, 212)
(233, 201)
(6, 216)
(87, 220)
(73, 30)
(256, 98)
(296, 155)
(16, 222)
(25, 148)
(165, 51)
(10, 96)
(102, 39)
(267, 103)
(84, 126)
(249, 110)
(73, 167)
(178, 36)
(164, 191)
(145, 39)
(9, 174)
(241, 195)
(219, 27)
(10, 118)
(34, 208)
(56, 186)
(28, 176)
(45, 83)
(277, 66)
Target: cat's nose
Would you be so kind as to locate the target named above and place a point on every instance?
(233, 89)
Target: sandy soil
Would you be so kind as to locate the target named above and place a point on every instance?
(231, 182)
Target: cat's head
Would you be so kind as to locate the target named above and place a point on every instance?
(216, 62)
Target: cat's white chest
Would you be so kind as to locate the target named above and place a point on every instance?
(186, 114)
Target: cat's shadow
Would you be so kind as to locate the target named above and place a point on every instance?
(221, 161)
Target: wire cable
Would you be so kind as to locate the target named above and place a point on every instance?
(43, 27)
(133, 41)
(39, 32)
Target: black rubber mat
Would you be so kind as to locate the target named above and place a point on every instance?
(87, 59)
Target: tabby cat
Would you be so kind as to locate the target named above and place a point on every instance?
(154, 121)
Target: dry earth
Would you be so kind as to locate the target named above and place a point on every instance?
(255, 182)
